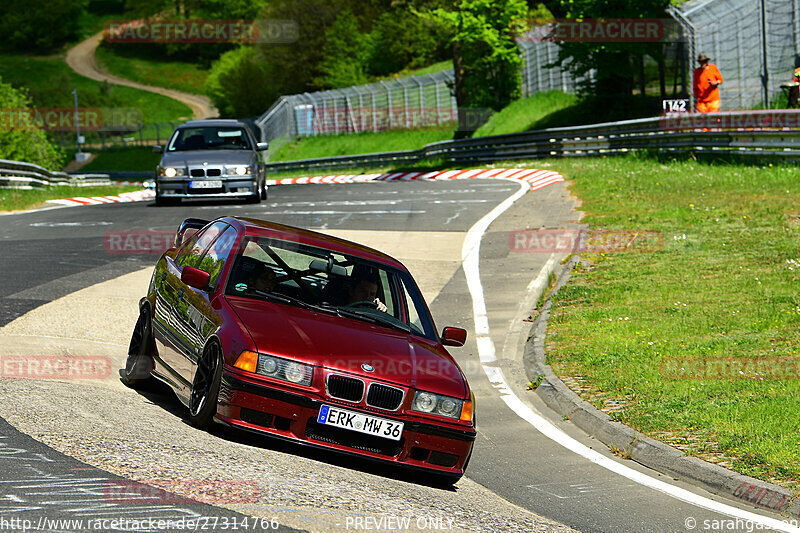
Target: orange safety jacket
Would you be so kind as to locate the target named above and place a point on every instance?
(703, 90)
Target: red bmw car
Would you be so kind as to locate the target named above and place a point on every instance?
(306, 337)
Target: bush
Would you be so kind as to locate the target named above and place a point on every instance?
(30, 145)
(402, 41)
(240, 83)
(39, 25)
(345, 54)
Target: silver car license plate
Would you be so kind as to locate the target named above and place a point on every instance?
(206, 184)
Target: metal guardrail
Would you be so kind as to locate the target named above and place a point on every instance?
(762, 133)
(21, 175)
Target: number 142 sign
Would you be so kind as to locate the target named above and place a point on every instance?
(680, 105)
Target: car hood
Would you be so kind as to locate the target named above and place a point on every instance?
(345, 344)
(196, 158)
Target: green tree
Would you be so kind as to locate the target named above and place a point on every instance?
(240, 83)
(613, 65)
(486, 60)
(345, 54)
(19, 142)
(402, 40)
(39, 25)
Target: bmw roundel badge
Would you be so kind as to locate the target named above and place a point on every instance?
(367, 368)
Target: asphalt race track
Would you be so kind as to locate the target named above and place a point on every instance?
(68, 448)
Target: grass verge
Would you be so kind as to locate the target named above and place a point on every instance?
(50, 83)
(161, 72)
(124, 160)
(549, 109)
(694, 343)
(18, 199)
(358, 143)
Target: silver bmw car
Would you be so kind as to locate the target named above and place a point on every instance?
(215, 158)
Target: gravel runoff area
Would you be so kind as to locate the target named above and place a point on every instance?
(144, 437)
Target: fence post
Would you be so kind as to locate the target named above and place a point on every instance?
(158, 134)
(742, 75)
(421, 101)
(389, 102)
(438, 107)
(765, 80)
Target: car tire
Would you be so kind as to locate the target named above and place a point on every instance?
(205, 387)
(161, 201)
(264, 193)
(140, 353)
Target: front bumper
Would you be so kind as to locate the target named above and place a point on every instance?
(288, 415)
(238, 187)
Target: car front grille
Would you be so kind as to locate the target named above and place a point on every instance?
(203, 172)
(345, 388)
(384, 397)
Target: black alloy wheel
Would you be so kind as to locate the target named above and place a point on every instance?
(140, 355)
(205, 387)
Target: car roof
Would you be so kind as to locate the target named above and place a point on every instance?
(253, 226)
(213, 122)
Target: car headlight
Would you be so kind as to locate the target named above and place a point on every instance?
(275, 367)
(238, 170)
(436, 404)
(171, 172)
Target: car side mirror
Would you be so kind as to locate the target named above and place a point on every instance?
(262, 146)
(194, 277)
(157, 149)
(454, 336)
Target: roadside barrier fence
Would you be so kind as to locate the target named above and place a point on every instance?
(768, 134)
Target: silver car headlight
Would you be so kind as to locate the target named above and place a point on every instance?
(238, 170)
(171, 172)
(436, 404)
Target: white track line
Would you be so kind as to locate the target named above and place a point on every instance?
(470, 256)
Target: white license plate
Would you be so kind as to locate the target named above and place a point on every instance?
(213, 184)
(371, 425)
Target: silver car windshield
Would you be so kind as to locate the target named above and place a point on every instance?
(209, 138)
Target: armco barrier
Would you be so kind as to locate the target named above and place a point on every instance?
(762, 133)
(20, 175)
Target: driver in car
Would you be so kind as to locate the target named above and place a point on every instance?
(262, 278)
(364, 288)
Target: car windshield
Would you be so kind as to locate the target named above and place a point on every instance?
(348, 286)
(209, 138)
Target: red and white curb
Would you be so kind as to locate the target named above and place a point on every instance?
(537, 178)
(135, 196)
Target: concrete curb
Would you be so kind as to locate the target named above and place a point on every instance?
(638, 447)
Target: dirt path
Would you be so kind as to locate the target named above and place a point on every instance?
(81, 59)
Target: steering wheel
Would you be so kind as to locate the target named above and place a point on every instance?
(371, 304)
